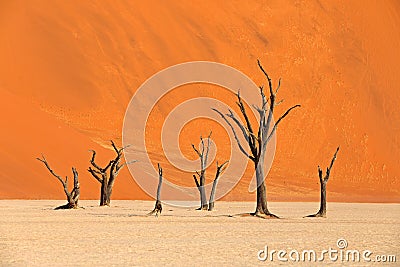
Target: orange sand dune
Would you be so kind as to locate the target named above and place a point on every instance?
(29, 132)
(69, 68)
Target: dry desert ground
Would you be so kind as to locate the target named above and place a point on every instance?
(33, 234)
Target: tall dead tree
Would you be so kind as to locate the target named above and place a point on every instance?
(200, 182)
(220, 169)
(73, 196)
(158, 206)
(323, 181)
(106, 176)
(258, 139)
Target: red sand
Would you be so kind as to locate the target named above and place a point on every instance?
(69, 68)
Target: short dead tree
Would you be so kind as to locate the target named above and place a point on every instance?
(200, 182)
(73, 196)
(257, 139)
(220, 169)
(323, 182)
(158, 206)
(106, 176)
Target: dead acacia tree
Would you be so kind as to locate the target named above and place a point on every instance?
(106, 176)
(200, 182)
(220, 169)
(323, 181)
(158, 206)
(73, 196)
(258, 139)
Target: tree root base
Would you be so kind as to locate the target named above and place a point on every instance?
(316, 215)
(67, 207)
(156, 211)
(258, 215)
(264, 215)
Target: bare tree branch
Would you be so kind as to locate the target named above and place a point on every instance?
(106, 176)
(202, 148)
(197, 151)
(43, 159)
(95, 174)
(241, 148)
(97, 166)
(268, 78)
(279, 120)
(320, 174)
(279, 102)
(328, 170)
(251, 141)
(118, 167)
(114, 146)
(223, 166)
(207, 150)
(73, 196)
(279, 86)
(244, 130)
(196, 181)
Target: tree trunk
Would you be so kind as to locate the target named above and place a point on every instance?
(203, 198)
(212, 195)
(322, 208)
(158, 206)
(220, 169)
(323, 181)
(261, 208)
(106, 176)
(202, 192)
(104, 194)
(76, 192)
(73, 196)
(210, 206)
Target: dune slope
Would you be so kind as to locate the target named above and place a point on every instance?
(69, 68)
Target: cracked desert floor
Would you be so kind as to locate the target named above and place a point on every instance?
(33, 234)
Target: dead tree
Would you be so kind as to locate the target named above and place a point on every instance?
(323, 181)
(106, 176)
(258, 139)
(73, 196)
(158, 206)
(220, 169)
(200, 182)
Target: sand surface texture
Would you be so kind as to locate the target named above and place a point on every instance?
(32, 234)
